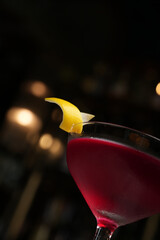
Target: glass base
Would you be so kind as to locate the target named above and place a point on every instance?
(102, 234)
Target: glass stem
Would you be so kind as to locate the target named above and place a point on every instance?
(102, 234)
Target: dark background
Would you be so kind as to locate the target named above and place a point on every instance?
(102, 56)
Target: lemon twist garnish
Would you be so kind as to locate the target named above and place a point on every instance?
(71, 115)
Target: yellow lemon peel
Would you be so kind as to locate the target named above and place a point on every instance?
(71, 115)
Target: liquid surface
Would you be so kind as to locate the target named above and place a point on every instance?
(120, 184)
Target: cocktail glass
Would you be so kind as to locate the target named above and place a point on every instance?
(117, 170)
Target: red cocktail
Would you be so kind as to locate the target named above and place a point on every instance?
(117, 170)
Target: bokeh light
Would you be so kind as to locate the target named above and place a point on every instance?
(158, 89)
(24, 117)
(46, 141)
(52, 145)
(37, 88)
(56, 148)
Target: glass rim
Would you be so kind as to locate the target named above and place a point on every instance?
(130, 137)
(112, 125)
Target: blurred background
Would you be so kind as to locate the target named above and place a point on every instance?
(104, 57)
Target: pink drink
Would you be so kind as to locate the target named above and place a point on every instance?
(120, 184)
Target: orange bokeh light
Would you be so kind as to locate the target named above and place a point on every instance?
(24, 117)
(158, 89)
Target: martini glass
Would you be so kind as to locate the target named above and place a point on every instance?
(117, 170)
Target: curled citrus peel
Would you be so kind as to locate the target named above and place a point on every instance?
(72, 118)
